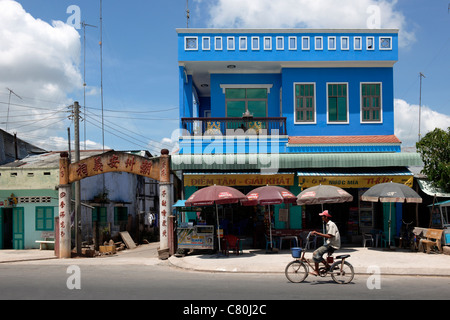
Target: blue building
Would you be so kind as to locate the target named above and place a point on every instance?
(295, 108)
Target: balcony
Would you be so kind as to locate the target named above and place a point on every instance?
(234, 126)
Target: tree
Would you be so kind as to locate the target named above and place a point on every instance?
(434, 149)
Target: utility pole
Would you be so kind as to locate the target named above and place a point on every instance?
(84, 25)
(421, 75)
(76, 120)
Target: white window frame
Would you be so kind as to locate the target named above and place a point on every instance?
(360, 43)
(315, 105)
(321, 43)
(309, 44)
(348, 105)
(218, 40)
(185, 43)
(295, 43)
(208, 41)
(231, 48)
(373, 43)
(390, 42)
(361, 102)
(329, 46)
(282, 43)
(245, 41)
(257, 42)
(348, 43)
(270, 43)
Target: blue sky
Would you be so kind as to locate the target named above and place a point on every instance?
(140, 74)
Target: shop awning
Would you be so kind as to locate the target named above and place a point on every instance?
(427, 187)
(354, 178)
(291, 161)
(443, 204)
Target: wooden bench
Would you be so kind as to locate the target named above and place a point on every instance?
(49, 238)
(432, 238)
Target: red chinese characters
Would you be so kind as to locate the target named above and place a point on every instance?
(98, 165)
(114, 162)
(82, 170)
(146, 167)
(130, 163)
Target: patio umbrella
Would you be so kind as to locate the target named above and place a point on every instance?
(323, 194)
(215, 195)
(269, 195)
(391, 192)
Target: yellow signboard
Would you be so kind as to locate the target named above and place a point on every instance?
(238, 180)
(352, 181)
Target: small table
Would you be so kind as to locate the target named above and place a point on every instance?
(288, 238)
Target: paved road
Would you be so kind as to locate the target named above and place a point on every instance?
(158, 281)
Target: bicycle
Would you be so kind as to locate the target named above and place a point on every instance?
(297, 271)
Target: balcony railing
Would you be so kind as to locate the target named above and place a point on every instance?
(234, 126)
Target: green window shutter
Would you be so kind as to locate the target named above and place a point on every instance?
(342, 109)
(39, 218)
(332, 109)
(44, 219)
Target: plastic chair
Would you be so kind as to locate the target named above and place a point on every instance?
(273, 242)
(368, 237)
(232, 243)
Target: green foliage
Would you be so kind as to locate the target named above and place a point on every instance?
(435, 151)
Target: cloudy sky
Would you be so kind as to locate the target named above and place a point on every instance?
(42, 62)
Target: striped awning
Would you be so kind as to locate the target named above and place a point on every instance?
(293, 161)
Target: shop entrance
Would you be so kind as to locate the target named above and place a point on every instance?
(12, 228)
(6, 228)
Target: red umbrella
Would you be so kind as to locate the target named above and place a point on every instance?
(215, 195)
(268, 195)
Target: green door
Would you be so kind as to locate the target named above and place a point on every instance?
(18, 229)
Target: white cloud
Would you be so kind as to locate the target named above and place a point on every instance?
(309, 14)
(407, 122)
(39, 62)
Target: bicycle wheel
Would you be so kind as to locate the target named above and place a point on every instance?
(342, 276)
(296, 271)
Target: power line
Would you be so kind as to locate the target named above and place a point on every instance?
(132, 132)
(9, 104)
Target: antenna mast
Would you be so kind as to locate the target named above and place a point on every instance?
(9, 102)
(101, 72)
(84, 25)
(187, 14)
(421, 75)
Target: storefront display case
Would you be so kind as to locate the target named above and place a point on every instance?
(195, 237)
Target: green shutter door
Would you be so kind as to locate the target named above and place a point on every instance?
(18, 229)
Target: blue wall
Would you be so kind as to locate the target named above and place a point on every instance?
(353, 76)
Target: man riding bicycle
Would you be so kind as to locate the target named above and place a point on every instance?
(333, 241)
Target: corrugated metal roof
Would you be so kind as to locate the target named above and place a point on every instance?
(293, 161)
